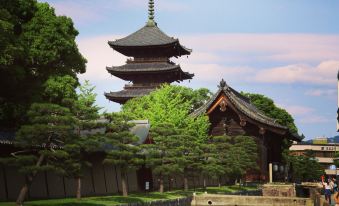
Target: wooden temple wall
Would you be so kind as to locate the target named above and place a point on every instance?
(98, 180)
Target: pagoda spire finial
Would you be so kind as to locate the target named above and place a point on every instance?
(151, 21)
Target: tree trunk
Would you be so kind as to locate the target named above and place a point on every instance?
(161, 185)
(219, 182)
(78, 188)
(205, 183)
(124, 183)
(22, 195)
(185, 183)
(24, 190)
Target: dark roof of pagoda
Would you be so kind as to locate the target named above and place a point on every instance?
(126, 94)
(243, 104)
(149, 36)
(152, 67)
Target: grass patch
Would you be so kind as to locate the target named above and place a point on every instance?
(102, 201)
(132, 198)
(227, 189)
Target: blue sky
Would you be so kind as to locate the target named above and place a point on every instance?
(287, 50)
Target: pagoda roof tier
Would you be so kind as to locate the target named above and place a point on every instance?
(123, 96)
(149, 40)
(127, 71)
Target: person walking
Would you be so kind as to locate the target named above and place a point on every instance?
(327, 192)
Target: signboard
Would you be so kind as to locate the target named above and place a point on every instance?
(331, 148)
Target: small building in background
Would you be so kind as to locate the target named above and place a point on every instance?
(322, 149)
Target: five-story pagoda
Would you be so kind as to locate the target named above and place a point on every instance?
(149, 64)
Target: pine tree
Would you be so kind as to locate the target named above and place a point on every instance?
(209, 166)
(236, 155)
(124, 152)
(164, 156)
(243, 156)
(222, 145)
(86, 138)
(50, 126)
(190, 150)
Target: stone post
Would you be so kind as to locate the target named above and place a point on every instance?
(270, 172)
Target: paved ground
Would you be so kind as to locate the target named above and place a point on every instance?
(332, 200)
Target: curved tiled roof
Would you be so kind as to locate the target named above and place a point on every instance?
(148, 68)
(132, 67)
(126, 94)
(242, 104)
(149, 36)
(146, 36)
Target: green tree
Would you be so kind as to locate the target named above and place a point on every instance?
(50, 126)
(124, 152)
(305, 168)
(336, 159)
(34, 45)
(190, 154)
(268, 107)
(171, 104)
(165, 155)
(209, 162)
(236, 155)
(243, 156)
(86, 138)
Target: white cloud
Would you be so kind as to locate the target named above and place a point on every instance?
(267, 47)
(323, 74)
(322, 92)
(305, 114)
(297, 110)
(314, 119)
(214, 72)
(99, 55)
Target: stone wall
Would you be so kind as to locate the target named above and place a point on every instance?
(226, 200)
(279, 190)
(176, 202)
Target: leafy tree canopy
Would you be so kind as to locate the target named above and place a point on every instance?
(34, 45)
(171, 104)
(267, 106)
